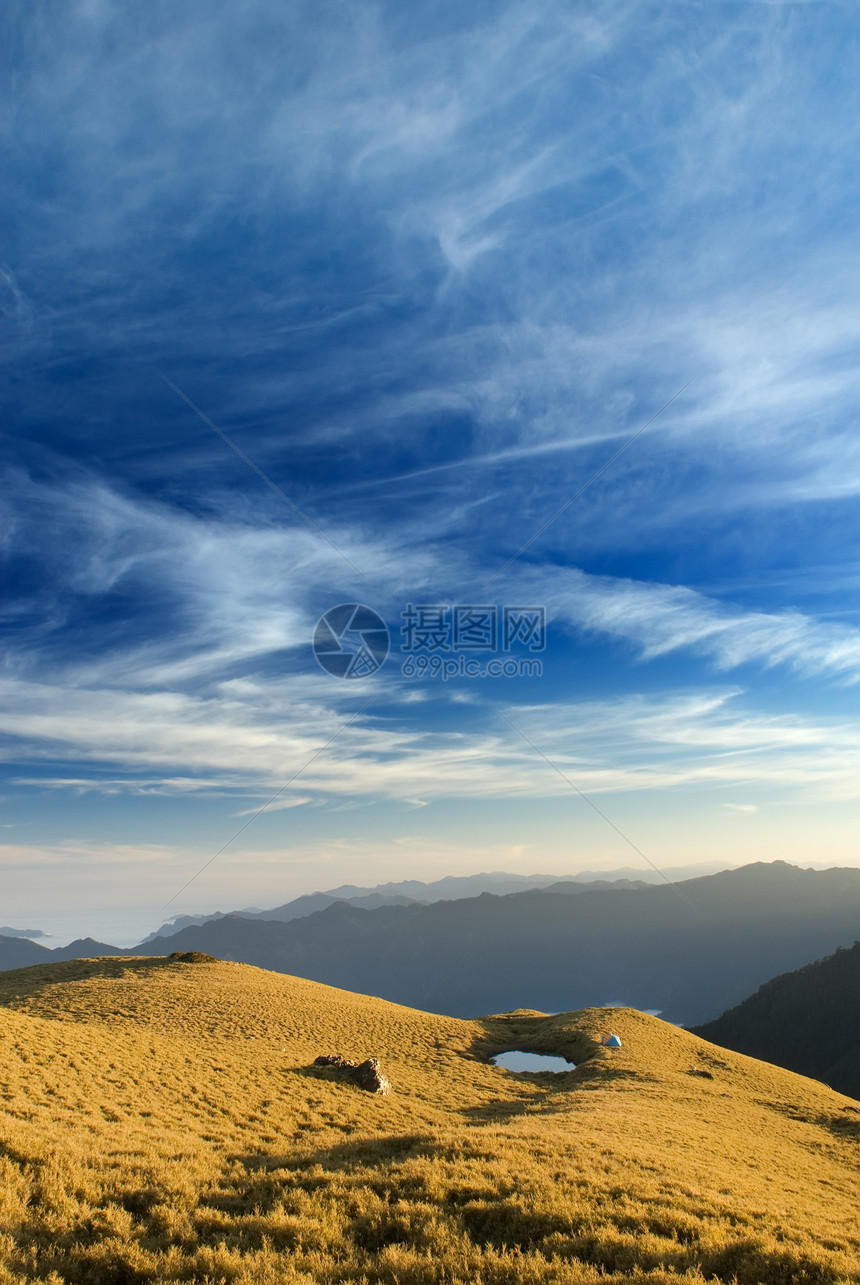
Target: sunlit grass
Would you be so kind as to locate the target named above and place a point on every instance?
(161, 1122)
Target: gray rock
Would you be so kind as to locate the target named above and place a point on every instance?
(367, 1075)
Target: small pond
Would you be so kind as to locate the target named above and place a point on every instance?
(516, 1060)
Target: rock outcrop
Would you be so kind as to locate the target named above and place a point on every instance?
(367, 1075)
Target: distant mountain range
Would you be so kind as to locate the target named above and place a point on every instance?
(16, 952)
(451, 888)
(402, 893)
(690, 952)
(807, 1021)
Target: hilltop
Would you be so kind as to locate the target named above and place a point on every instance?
(807, 1020)
(162, 1121)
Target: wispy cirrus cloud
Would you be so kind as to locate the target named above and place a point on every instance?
(711, 739)
(237, 593)
(660, 619)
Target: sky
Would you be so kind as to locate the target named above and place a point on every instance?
(541, 316)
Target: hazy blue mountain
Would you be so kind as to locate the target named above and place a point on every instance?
(17, 952)
(570, 887)
(389, 894)
(689, 958)
(807, 1021)
(297, 909)
(22, 932)
(184, 921)
(20, 952)
(86, 948)
(452, 887)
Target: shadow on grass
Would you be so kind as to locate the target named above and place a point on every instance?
(504, 1110)
(388, 1149)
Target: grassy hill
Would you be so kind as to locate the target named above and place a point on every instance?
(161, 1121)
(808, 1020)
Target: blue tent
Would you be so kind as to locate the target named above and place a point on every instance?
(612, 1041)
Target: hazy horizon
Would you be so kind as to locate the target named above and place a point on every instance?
(124, 927)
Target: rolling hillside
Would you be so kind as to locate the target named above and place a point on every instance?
(162, 1121)
(808, 1021)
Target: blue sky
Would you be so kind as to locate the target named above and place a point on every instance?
(429, 268)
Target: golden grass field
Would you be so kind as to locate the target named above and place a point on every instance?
(160, 1122)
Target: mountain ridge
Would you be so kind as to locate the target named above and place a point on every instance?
(553, 951)
(807, 1020)
(451, 887)
(690, 954)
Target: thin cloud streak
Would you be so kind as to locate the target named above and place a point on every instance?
(709, 740)
(657, 620)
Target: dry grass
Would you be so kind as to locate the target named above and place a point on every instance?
(160, 1123)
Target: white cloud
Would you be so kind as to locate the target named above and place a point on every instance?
(276, 805)
(198, 709)
(659, 619)
(707, 739)
(172, 785)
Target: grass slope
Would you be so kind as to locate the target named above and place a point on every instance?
(808, 1020)
(161, 1122)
